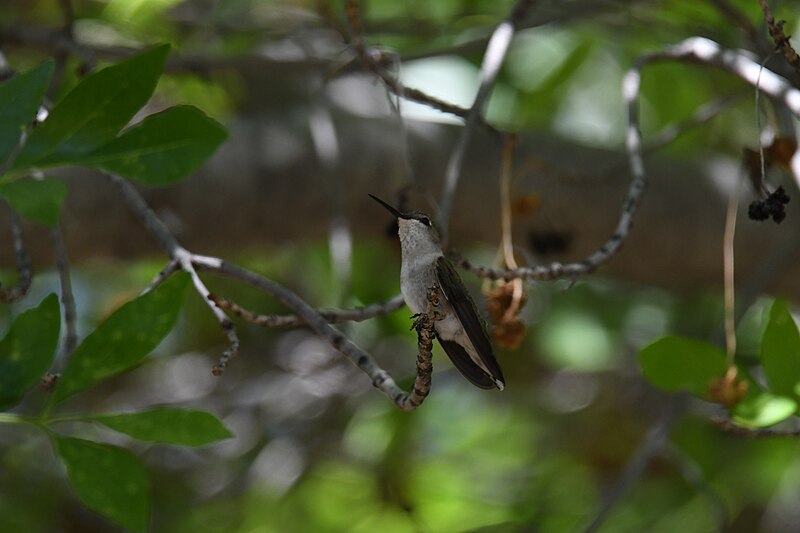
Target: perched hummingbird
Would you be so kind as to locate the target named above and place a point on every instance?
(459, 328)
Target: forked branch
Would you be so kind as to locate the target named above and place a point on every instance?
(381, 379)
(693, 50)
(182, 259)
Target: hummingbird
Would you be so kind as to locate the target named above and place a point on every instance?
(459, 327)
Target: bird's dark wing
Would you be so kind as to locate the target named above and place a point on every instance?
(462, 361)
(457, 295)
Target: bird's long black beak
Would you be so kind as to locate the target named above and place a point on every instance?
(389, 208)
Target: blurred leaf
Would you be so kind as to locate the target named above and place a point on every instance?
(20, 98)
(780, 351)
(338, 493)
(94, 111)
(170, 426)
(762, 410)
(578, 341)
(108, 479)
(750, 332)
(680, 364)
(210, 93)
(124, 338)
(542, 59)
(670, 101)
(27, 350)
(570, 65)
(163, 148)
(446, 500)
(38, 200)
(146, 16)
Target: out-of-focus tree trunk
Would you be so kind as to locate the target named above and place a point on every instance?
(268, 186)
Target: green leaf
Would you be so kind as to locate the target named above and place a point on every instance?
(38, 200)
(94, 112)
(680, 364)
(124, 338)
(108, 479)
(163, 148)
(780, 351)
(27, 350)
(20, 98)
(170, 426)
(762, 410)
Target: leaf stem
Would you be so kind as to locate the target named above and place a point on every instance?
(11, 418)
(728, 268)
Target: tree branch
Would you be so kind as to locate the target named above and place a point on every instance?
(652, 444)
(146, 216)
(67, 297)
(695, 49)
(729, 427)
(68, 14)
(23, 260)
(332, 316)
(780, 39)
(54, 41)
(493, 59)
(335, 338)
(182, 259)
(375, 61)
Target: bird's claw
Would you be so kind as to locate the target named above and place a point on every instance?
(420, 321)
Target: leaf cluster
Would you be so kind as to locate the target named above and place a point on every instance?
(85, 128)
(679, 364)
(89, 128)
(109, 479)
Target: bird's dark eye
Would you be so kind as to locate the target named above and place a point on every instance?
(425, 220)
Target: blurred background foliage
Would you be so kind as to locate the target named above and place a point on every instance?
(316, 447)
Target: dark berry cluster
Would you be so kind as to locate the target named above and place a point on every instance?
(773, 206)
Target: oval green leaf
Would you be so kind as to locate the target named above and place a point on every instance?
(94, 111)
(780, 351)
(20, 98)
(108, 479)
(124, 338)
(163, 148)
(27, 350)
(37, 200)
(680, 364)
(168, 426)
(763, 410)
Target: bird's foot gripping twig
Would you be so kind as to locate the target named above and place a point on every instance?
(425, 320)
(424, 325)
